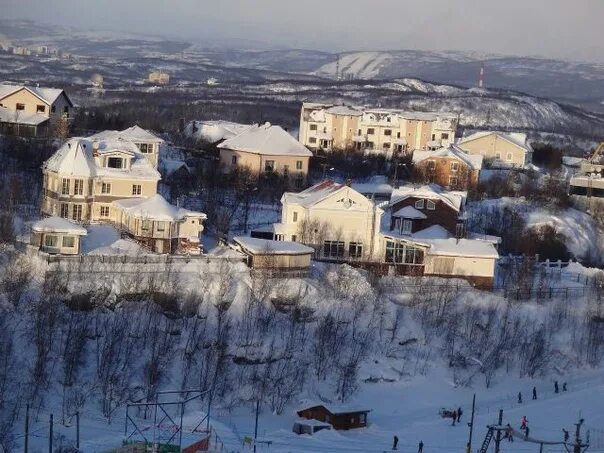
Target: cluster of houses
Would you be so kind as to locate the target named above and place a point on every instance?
(416, 229)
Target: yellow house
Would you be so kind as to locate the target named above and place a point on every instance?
(52, 103)
(162, 227)
(328, 126)
(84, 177)
(510, 149)
(335, 219)
(266, 149)
(29, 111)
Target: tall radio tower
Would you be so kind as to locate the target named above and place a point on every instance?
(481, 77)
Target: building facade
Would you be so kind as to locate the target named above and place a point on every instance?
(266, 149)
(328, 126)
(52, 103)
(506, 149)
(448, 167)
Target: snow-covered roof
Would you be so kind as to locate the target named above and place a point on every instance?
(344, 110)
(432, 232)
(516, 138)
(266, 246)
(134, 134)
(214, 131)
(21, 117)
(373, 187)
(314, 194)
(155, 208)
(461, 247)
(474, 161)
(48, 95)
(266, 139)
(57, 225)
(225, 251)
(571, 161)
(453, 198)
(75, 158)
(409, 212)
(335, 408)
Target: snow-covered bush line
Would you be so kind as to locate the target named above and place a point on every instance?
(71, 341)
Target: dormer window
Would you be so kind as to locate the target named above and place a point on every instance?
(430, 205)
(419, 204)
(115, 162)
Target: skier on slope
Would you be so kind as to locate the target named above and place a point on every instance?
(534, 393)
(459, 414)
(420, 447)
(519, 397)
(556, 389)
(523, 422)
(566, 436)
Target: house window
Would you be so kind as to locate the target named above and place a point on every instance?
(454, 166)
(313, 127)
(76, 214)
(65, 188)
(398, 135)
(106, 187)
(269, 166)
(294, 238)
(64, 210)
(146, 148)
(233, 160)
(355, 249)
(403, 254)
(53, 109)
(161, 226)
(430, 205)
(146, 225)
(433, 136)
(20, 106)
(386, 146)
(444, 136)
(388, 132)
(78, 186)
(370, 131)
(68, 241)
(333, 249)
(312, 140)
(115, 162)
(66, 109)
(460, 230)
(453, 181)
(299, 181)
(362, 418)
(370, 145)
(136, 189)
(419, 204)
(40, 108)
(51, 241)
(407, 227)
(298, 165)
(509, 157)
(295, 216)
(431, 165)
(104, 211)
(285, 170)
(498, 156)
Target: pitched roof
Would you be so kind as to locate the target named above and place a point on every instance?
(134, 134)
(75, 158)
(21, 117)
(155, 208)
(474, 161)
(57, 225)
(462, 247)
(266, 139)
(48, 95)
(314, 194)
(215, 131)
(454, 198)
(516, 138)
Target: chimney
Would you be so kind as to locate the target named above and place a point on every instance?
(348, 182)
(95, 148)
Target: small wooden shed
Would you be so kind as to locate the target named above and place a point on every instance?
(268, 254)
(340, 417)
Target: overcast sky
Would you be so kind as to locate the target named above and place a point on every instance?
(552, 28)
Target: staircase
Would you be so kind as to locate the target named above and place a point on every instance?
(487, 440)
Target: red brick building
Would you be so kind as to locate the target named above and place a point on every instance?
(448, 167)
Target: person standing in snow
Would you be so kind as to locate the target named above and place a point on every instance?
(459, 414)
(564, 387)
(420, 448)
(526, 433)
(454, 418)
(523, 422)
(556, 389)
(519, 397)
(395, 443)
(508, 433)
(534, 393)
(566, 436)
